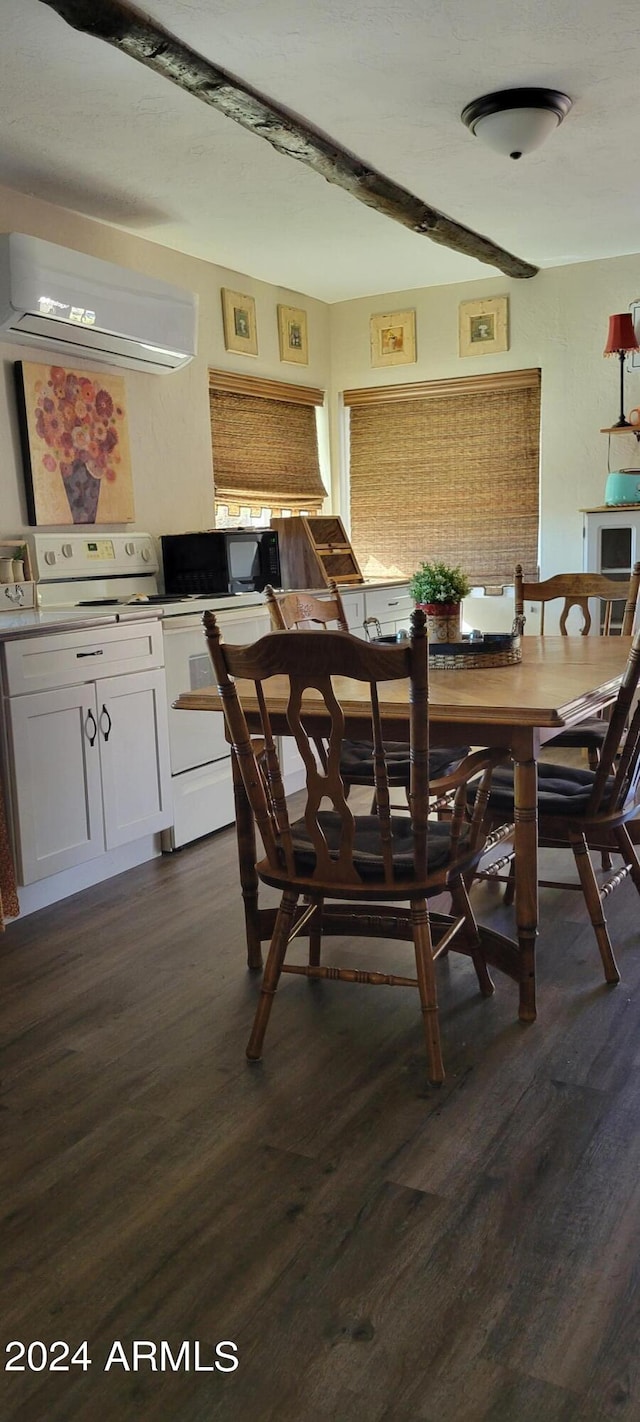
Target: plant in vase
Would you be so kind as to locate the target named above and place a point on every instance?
(439, 589)
(19, 562)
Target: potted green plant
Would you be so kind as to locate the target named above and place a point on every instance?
(439, 589)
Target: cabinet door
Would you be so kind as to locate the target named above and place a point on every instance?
(56, 780)
(134, 755)
(353, 603)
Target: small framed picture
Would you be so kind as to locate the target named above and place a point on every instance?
(483, 326)
(634, 356)
(292, 333)
(393, 338)
(239, 320)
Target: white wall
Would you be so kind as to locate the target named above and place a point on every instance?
(558, 322)
(168, 414)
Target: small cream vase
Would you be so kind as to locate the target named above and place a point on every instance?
(6, 570)
(443, 621)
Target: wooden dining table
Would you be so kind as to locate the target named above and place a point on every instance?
(518, 709)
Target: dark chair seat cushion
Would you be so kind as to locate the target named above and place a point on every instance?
(562, 790)
(590, 733)
(368, 849)
(356, 761)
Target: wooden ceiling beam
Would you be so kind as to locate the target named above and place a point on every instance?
(137, 35)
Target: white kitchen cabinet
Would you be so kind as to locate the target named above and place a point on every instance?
(391, 607)
(134, 755)
(88, 763)
(56, 785)
(611, 546)
(354, 606)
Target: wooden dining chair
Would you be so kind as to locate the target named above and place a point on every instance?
(298, 611)
(577, 589)
(588, 810)
(375, 863)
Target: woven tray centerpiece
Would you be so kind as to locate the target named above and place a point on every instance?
(474, 653)
(495, 649)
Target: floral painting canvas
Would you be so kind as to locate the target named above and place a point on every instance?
(75, 445)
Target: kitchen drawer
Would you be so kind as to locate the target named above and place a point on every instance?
(390, 604)
(68, 658)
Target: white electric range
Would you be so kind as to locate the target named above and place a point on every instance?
(101, 573)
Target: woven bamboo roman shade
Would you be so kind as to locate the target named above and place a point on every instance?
(265, 444)
(448, 470)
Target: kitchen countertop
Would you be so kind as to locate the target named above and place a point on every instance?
(34, 621)
(374, 582)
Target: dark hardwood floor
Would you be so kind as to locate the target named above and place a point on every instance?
(379, 1250)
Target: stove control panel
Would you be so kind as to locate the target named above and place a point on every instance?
(58, 557)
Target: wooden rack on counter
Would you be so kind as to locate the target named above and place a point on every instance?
(314, 550)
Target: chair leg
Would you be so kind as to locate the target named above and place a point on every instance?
(593, 758)
(593, 899)
(315, 938)
(425, 968)
(462, 906)
(629, 853)
(273, 969)
(510, 886)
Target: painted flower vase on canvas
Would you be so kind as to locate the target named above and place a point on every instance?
(75, 445)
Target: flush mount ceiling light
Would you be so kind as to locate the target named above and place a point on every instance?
(515, 121)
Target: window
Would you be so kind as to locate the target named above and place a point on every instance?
(448, 469)
(265, 445)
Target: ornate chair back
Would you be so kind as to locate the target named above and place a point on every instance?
(305, 664)
(305, 610)
(577, 589)
(620, 754)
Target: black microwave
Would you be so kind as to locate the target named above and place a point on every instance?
(222, 560)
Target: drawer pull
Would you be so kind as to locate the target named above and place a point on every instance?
(99, 653)
(91, 718)
(104, 713)
(394, 603)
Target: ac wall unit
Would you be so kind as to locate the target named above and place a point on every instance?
(73, 305)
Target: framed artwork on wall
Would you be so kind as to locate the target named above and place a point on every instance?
(634, 357)
(292, 334)
(239, 321)
(75, 445)
(483, 326)
(393, 338)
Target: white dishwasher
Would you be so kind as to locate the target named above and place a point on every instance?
(200, 757)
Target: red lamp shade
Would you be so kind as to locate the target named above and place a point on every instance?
(621, 336)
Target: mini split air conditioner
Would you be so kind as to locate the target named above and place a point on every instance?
(70, 304)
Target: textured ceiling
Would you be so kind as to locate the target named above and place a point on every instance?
(90, 129)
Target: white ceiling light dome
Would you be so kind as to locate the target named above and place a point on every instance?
(516, 121)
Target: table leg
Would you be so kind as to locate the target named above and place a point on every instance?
(526, 852)
(246, 834)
